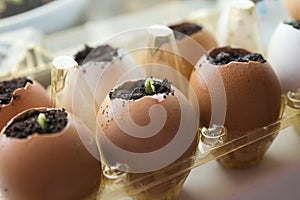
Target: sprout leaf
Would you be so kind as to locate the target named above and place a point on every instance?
(149, 86)
(41, 120)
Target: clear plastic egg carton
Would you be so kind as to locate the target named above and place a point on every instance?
(132, 168)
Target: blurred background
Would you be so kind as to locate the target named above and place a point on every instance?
(61, 27)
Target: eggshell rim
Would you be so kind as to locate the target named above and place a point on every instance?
(290, 26)
(232, 62)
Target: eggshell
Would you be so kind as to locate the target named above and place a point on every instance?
(191, 54)
(203, 38)
(30, 96)
(92, 75)
(88, 84)
(140, 142)
(139, 112)
(51, 166)
(253, 100)
(283, 55)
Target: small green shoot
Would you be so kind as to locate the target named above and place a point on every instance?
(149, 86)
(41, 120)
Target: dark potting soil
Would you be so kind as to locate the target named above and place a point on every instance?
(8, 87)
(102, 53)
(224, 58)
(180, 30)
(134, 90)
(56, 120)
(295, 24)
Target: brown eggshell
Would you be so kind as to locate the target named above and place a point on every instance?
(31, 96)
(51, 166)
(191, 54)
(253, 96)
(205, 39)
(139, 111)
(251, 88)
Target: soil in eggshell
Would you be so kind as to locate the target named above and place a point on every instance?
(223, 58)
(102, 53)
(180, 30)
(136, 90)
(56, 120)
(8, 87)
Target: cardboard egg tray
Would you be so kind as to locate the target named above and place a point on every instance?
(82, 89)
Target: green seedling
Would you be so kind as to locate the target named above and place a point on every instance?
(149, 86)
(41, 120)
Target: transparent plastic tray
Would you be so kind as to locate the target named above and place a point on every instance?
(152, 53)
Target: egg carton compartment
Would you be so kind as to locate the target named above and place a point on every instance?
(154, 53)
